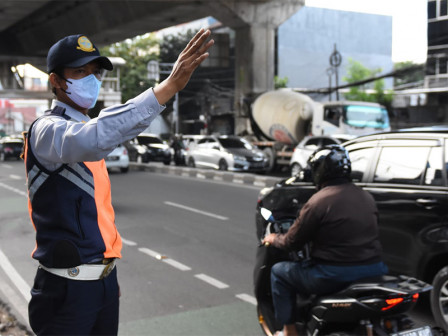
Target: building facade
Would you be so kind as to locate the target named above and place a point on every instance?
(307, 40)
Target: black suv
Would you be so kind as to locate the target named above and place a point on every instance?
(150, 147)
(406, 172)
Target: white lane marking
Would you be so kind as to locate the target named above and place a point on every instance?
(247, 298)
(176, 264)
(20, 192)
(205, 213)
(169, 261)
(15, 277)
(149, 252)
(128, 242)
(16, 300)
(212, 281)
(5, 165)
(15, 177)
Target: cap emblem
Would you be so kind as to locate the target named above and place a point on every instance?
(85, 45)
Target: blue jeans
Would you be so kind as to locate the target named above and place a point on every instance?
(290, 278)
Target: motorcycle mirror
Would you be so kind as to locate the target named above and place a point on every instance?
(265, 213)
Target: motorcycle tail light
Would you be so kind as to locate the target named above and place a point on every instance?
(390, 303)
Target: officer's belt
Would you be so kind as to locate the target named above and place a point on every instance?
(83, 272)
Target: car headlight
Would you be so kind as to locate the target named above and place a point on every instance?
(239, 158)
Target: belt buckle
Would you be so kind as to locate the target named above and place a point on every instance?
(108, 269)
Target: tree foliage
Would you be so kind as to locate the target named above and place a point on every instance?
(280, 83)
(172, 45)
(414, 76)
(358, 72)
(137, 52)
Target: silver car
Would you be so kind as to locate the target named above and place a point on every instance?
(226, 152)
(118, 159)
(308, 145)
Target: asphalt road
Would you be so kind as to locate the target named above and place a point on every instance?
(188, 252)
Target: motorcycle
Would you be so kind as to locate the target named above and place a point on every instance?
(368, 307)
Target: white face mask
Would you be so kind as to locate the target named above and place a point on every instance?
(84, 92)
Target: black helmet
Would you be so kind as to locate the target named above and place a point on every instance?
(329, 162)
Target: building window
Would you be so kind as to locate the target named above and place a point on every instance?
(437, 8)
(442, 65)
(432, 9)
(443, 8)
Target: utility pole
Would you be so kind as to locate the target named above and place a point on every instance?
(335, 62)
(155, 69)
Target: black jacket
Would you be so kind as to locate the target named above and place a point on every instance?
(341, 223)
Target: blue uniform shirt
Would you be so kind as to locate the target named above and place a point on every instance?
(55, 140)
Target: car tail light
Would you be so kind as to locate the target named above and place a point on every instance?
(125, 151)
(8, 150)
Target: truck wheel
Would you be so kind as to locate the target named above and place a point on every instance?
(439, 298)
(270, 155)
(295, 169)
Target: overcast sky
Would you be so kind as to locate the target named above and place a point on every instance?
(409, 23)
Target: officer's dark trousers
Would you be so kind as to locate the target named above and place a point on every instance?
(61, 306)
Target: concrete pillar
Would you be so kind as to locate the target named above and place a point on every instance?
(254, 24)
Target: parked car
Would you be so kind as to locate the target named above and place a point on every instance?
(191, 141)
(308, 145)
(11, 147)
(118, 159)
(406, 172)
(226, 152)
(150, 147)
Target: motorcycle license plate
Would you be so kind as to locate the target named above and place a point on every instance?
(423, 331)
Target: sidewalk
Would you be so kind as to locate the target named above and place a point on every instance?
(209, 174)
(9, 325)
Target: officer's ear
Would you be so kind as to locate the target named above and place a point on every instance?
(55, 80)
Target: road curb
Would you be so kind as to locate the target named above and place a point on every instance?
(208, 174)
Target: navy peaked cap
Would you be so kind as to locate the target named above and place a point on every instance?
(74, 51)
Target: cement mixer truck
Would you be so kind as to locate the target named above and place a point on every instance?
(282, 118)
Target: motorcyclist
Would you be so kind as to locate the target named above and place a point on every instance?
(339, 223)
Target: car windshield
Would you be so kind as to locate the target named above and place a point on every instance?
(366, 116)
(145, 140)
(234, 143)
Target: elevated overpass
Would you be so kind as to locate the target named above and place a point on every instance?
(29, 27)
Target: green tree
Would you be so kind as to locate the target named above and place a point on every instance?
(172, 45)
(137, 52)
(280, 83)
(415, 73)
(357, 72)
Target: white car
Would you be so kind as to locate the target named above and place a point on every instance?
(118, 159)
(308, 145)
(226, 152)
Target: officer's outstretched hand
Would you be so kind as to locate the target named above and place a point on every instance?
(189, 59)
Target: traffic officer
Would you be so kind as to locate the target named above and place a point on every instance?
(75, 290)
